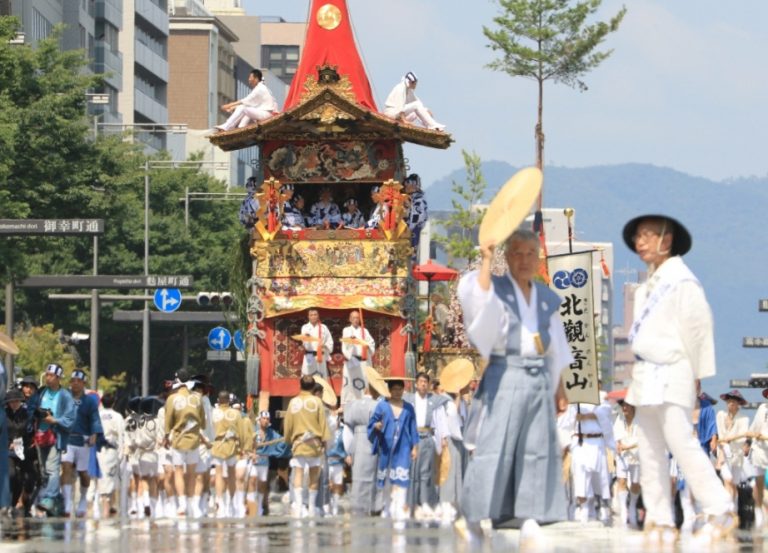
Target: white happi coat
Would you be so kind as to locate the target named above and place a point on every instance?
(309, 364)
(672, 337)
(354, 376)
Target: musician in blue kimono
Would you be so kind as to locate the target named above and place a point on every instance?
(250, 206)
(352, 217)
(324, 213)
(292, 216)
(392, 431)
(275, 446)
(417, 208)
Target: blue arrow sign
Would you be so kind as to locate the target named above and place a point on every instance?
(167, 300)
(238, 339)
(219, 338)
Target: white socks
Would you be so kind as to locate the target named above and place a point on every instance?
(312, 502)
(621, 497)
(335, 504)
(66, 491)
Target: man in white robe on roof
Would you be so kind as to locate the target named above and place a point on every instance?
(258, 105)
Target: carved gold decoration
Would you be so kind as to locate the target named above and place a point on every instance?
(392, 202)
(328, 115)
(328, 17)
(270, 209)
(313, 86)
(337, 258)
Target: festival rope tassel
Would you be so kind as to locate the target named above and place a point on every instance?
(319, 354)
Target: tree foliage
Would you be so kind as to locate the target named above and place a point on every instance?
(52, 167)
(549, 40)
(462, 224)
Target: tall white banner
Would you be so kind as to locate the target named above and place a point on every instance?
(572, 281)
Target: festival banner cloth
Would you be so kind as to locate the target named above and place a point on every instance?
(572, 281)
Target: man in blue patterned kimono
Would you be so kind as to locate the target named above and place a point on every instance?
(417, 209)
(250, 205)
(324, 213)
(392, 431)
(514, 475)
(352, 217)
(293, 217)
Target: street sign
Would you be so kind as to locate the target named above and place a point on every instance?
(219, 338)
(108, 281)
(167, 300)
(58, 227)
(763, 305)
(755, 342)
(238, 339)
(216, 355)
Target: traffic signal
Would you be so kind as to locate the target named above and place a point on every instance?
(214, 299)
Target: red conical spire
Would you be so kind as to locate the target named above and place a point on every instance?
(330, 41)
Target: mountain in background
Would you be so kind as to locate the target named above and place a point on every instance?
(726, 220)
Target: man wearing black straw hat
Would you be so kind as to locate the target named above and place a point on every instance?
(672, 339)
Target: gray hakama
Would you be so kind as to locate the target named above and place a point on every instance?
(450, 490)
(515, 472)
(365, 497)
(422, 489)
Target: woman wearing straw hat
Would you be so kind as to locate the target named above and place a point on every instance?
(673, 342)
(732, 434)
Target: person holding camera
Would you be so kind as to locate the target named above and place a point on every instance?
(54, 411)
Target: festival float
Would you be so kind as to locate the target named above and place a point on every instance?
(329, 134)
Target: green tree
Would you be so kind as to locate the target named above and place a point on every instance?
(462, 224)
(51, 167)
(549, 40)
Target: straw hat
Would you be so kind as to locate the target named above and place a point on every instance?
(510, 206)
(734, 394)
(456, 374)
(329, 396)
(7, 345)
(681, 238)
(375, 381)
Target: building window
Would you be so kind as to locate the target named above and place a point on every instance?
(41, 27)
(283, 61)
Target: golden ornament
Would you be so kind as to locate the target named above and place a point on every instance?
(329, 17)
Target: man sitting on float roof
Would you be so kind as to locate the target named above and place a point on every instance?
(402, 103)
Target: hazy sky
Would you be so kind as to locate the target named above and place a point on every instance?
(686, 86)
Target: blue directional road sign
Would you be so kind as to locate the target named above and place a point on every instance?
(238, 339)
(219, 338)
(167, 300)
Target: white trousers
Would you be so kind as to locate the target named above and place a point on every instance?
(244, 116)
(416, 112)
(668, 427)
